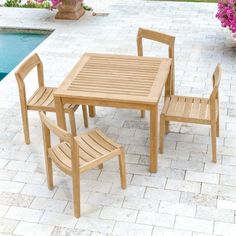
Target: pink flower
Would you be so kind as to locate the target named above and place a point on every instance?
(227, 14)
(55, 3)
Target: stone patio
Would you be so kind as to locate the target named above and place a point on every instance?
(189, 195)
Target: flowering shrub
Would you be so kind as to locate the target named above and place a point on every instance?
(227, 14)
(50, 4)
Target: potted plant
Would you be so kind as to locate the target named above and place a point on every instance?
(68, 9)
(227, 15)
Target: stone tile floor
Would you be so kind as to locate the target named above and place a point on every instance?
(189, 195)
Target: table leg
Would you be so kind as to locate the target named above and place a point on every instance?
(61, 121)
(153, 139)
(169, 90)
(92, 111)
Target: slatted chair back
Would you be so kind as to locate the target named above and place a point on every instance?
(165, 39)
(49, 127)
(28, 66)
(155, 36)
(162, 38)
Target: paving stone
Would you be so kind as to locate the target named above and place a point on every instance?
(10, 186)
(62, 231)
(157, 219)
(16, 199)
(162, 194)
(58, 219)
(99, 225)
(141, 204)
(183, 185)
(186, 178)
(26, 228)
(198, 199)
(24, 214)
(87, 210)
(202, 177)
(48, 204)
(177, 209)
(149, 181)
(193, 224)
(7, 225)
(124, 228)
(159, 231)
(225, 229)
(211, 213)
(120, 214)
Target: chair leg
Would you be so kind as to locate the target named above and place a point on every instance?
(25, 123)
(92, 111)
(213, 141)
(142, 113)
(122, 169)
(72, 122)
(76, 194)
(85, 115)
(162, 132)
(218, 126)
(100, 166)
(167, 127)
(49, 171)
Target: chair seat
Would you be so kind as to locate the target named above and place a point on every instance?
(94, 148)
(43, 100)
(187, 109)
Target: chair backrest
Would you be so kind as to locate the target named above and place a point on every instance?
(48, 126)
(216, 77)
(162, 38)
(214, 97)
(155, 36)
(27, 66)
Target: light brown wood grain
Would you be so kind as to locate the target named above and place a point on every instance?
(164, 39)
(120, 81)
(194, 110)
(42, 99)
(75, 155)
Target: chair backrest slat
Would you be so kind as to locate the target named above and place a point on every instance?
(27, 66)
(62, 134)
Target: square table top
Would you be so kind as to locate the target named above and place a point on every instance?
(116, 78)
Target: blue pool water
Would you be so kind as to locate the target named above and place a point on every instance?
(15, 46)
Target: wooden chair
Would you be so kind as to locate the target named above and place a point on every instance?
(42, 99)
(79, 154)
(194, 110)
(162, 38)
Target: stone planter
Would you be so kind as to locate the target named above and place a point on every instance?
(70, 10)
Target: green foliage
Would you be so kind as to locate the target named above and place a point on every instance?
(12, 3)
(30, 4)
(45, 4)
(34, 4)
(87, 8)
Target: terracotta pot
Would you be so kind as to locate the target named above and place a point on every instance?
(70, 10)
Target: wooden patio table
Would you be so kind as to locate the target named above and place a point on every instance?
(117, 81)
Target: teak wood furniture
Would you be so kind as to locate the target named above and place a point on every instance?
(194, 110)
(42, 99)
(75, 155)
(117, 81)
(161, 38)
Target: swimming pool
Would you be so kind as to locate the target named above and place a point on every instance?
(15, 45)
